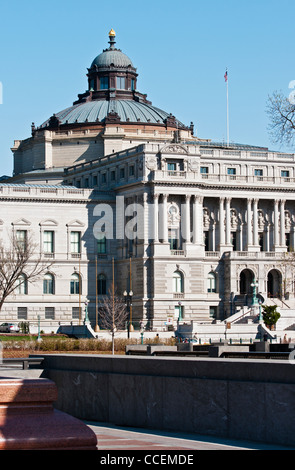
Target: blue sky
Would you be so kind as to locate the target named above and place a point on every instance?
(180, 48)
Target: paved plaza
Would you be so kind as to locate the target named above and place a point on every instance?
(118, 438)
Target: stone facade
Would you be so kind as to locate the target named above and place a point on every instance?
(207, 219)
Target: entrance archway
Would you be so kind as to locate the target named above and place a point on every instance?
(274, 283)
(246, 279)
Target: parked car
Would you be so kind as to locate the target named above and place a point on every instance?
(9, 328)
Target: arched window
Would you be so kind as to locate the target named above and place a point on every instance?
(48, 284)
(211, 282)
(75, 284)
(21, 285)
(101, 284)
(178, 283)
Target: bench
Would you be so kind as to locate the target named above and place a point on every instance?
(24, 361)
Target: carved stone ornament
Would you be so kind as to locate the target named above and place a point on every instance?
(174, 149)
(193, 164)
(151, 163)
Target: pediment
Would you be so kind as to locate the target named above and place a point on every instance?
(49, 223)
(21, 222)
(177, 149)
(75, 223)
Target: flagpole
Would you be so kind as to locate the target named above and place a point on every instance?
(227, 108)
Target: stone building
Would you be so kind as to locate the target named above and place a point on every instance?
(192, 224)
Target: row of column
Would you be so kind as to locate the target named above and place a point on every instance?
(224, 221)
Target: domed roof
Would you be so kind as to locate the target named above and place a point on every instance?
(112, 57)
(97, 111)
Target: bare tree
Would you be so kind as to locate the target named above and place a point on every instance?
(19, 264)
(281, 112)
(113, 314)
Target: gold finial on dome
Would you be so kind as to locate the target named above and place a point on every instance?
(112, 33)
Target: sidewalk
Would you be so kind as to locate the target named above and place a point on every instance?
(118, 438)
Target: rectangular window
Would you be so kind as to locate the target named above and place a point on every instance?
(171, 166)
(75, 242)
(95, 180)
(285, 174)
(204, 170)
(232, 173)
(22, 313)
(21, 239)
(49, 313)
(122, 173)
(104, 178)
(75, 313)
(102, 246)
(121, 83)
(113, 175)
(48, 241)
(258, 172)
(132, 84)
(173, 239)
(104, 83)
(131, 170)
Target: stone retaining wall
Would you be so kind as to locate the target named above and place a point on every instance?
(230, 398)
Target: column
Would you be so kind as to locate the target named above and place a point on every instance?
(197, 220)
(249, 223)
(228, 220)
(255, 222)
(221, 222)
(156, 218)
(283, 237)
(276, 223)
(165, 219)
(187, 234)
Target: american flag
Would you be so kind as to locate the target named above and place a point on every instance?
(225, 76)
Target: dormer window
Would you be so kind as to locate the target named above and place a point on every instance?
(121, 83)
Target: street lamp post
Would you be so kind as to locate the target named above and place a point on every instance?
(128, 303)
(254, 296)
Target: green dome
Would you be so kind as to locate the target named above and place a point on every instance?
(112, 57)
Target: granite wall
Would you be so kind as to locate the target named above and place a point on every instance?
(229, 398)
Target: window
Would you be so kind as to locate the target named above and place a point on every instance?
(75, 284)
(132, 84)
(95, 180)
(104, 83)
(49, 313)
(204, 170)
(22, 313)
(48, 284)
(211, 282)
(232, 173)
(171, 166)
(121, 83)
(173, 239)
(101, 285)
(285, 173)
(113, 175)
(104, 178)
(75, 313)
(122, 173)
(131, 170)
(75, 242)
(101, 246)
(21, 239)
(177, 282)
(259, 173)
(22, 285)
(213, 312)
(48, 241)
